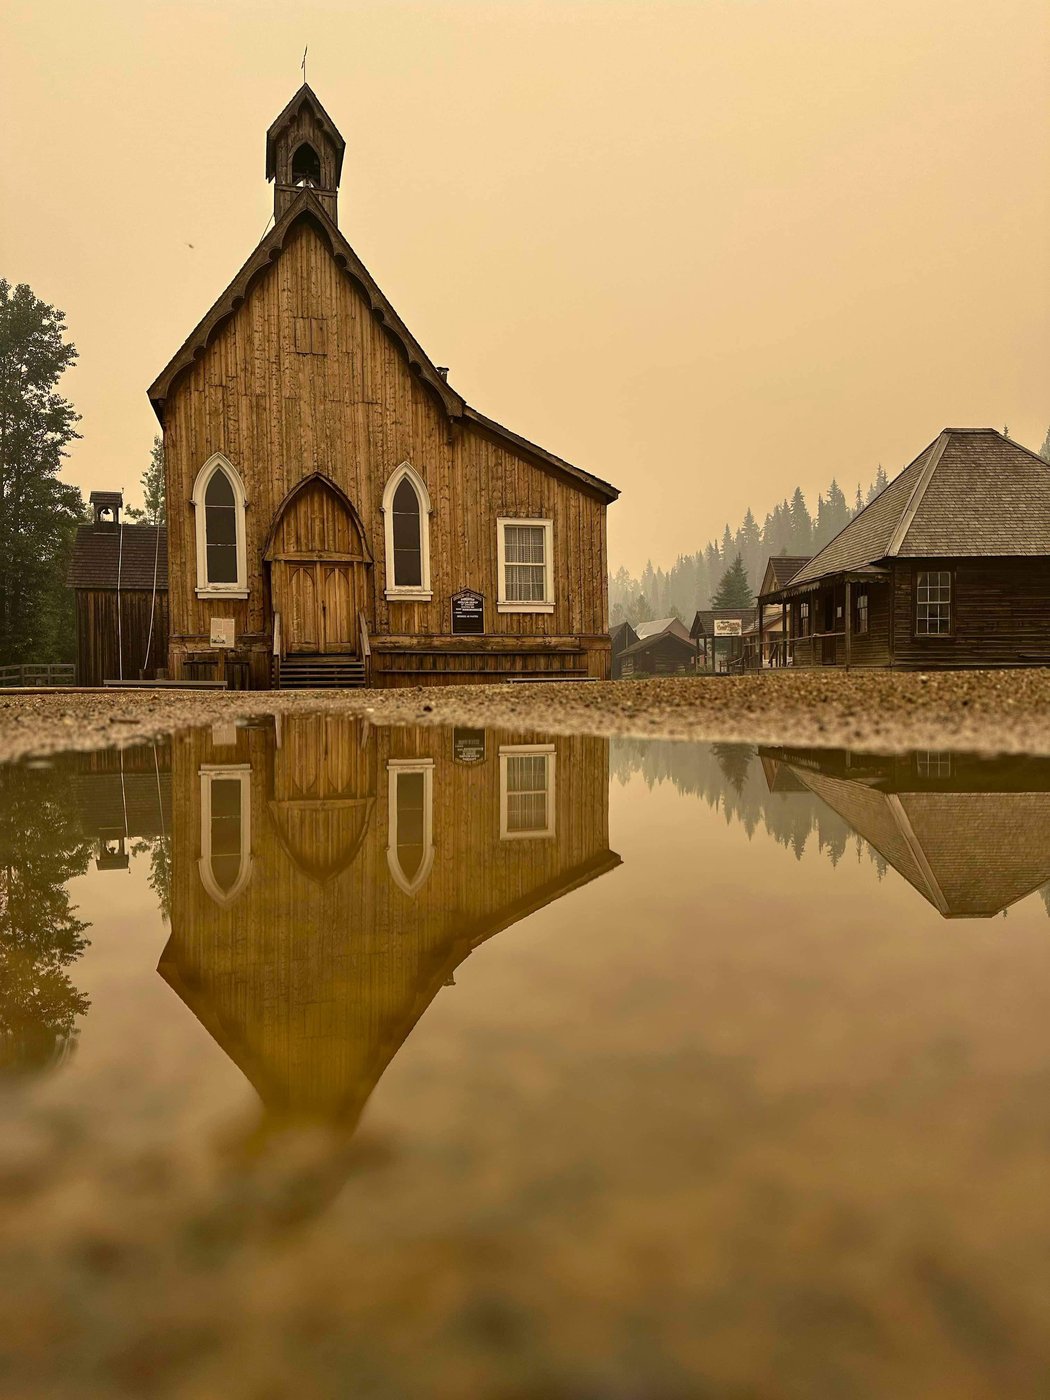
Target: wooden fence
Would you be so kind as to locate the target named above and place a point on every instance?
(53, 673)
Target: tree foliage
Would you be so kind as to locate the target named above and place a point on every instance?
(1044, 451)
(734, 591)
(41, 849)
(153, 492)
(38, 512)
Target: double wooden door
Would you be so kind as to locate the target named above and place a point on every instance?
(319, 602)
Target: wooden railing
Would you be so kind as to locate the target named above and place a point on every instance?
(52, 673)
(366, 647)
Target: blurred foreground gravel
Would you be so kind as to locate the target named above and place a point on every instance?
(985, 711)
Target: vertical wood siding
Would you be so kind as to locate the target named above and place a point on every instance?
(354, 413)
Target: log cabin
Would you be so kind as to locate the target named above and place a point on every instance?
(719, 634)
(119, 576)
(970, 833)
(329, 878)
(337, 513)
(662, 647)
(949, 566)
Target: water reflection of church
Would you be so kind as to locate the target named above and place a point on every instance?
(971, 834)
(329, 878)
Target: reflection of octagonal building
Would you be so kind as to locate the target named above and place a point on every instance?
(329, 879)
(971, 834)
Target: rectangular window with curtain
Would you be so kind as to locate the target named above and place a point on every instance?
(525, 565)
(862, 612)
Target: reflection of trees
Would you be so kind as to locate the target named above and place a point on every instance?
(729, 778)
(41, 848)
(159, 848)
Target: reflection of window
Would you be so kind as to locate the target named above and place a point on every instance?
(526, 791)
(525, 565)
(933, 763)
(410, 839)
(862, 612)
(226, 837)
(933, 604)
(218, 499)
(406, 521)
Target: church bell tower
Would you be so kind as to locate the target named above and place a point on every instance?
(304, 150)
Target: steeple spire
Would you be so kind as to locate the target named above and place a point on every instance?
(304, 150)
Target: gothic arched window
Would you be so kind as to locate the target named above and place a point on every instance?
(306, 167)
(410, 821)
(218, 499)
(406, 519)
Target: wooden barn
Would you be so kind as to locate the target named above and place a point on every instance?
(948, 567)
(329, 879)
(338, 514)
(662, 647)
(119, 576)
(621, 636)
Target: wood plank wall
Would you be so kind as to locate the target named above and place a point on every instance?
(315, 973)
(354, 413)
(96, 634)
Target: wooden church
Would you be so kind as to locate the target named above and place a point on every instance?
(337, 513)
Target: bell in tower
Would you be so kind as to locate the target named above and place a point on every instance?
(304, 150)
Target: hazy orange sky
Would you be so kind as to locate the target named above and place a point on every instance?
(707, 250)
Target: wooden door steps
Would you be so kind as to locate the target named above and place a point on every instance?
(319, 673)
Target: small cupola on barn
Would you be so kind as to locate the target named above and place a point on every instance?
(304, 150)
(106, 507)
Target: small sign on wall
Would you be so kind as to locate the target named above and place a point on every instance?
(222, 632)
(468, 613)
(468, 745)
(728, 627)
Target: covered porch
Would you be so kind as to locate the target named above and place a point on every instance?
(842, 619)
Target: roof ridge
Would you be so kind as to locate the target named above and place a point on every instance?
(919, 490)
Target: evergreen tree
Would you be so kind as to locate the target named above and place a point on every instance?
(734, 591)
(153, 491)
(1044, 451)
(878, 485)
(37, 511)
(801, 524)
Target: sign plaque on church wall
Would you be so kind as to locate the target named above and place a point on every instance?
(468, 745)
(468, 613)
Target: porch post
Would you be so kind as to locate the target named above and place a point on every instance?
(849, 619)
(760, 620)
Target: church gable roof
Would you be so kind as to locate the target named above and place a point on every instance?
(307, 207)
(971, 492)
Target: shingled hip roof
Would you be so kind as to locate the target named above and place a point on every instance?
(971, 492)
(102, 554)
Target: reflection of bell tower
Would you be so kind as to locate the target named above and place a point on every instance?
(304, 150)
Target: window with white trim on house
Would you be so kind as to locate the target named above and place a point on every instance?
(525, 565)
(933, 603)
(219, 504)
(526, 789)
(406, 529)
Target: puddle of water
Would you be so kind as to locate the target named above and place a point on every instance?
(470, 1063)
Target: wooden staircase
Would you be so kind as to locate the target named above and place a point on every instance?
(319, 673)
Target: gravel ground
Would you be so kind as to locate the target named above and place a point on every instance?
(980, 711)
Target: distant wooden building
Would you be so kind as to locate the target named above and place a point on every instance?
(948, 567)
(621, 636)
(780, 570)
(329, 879)
(119, 576)
(719, 636)
(662, 647)
(971, 834)
(337, 511)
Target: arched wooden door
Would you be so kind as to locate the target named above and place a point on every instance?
(319, 563)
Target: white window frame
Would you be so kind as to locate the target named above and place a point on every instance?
(414, 593)
(394, 767)
(510, 750)
(209, 773)
(238, 589)
(502, 605)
